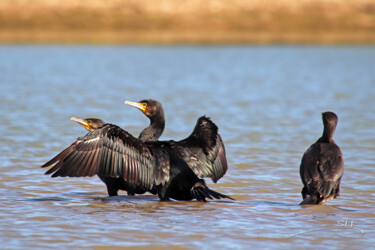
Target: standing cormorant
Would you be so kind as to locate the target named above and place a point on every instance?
(113, 184)
(110, 151)
(322, 166)
(210, 163)
(154, 111)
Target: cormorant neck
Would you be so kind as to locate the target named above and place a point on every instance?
(154, 130)
(328, 132)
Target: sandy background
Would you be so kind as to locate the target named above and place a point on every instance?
(189, 21)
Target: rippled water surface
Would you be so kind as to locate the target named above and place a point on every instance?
(267, 102)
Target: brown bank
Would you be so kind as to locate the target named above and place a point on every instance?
(193, 21)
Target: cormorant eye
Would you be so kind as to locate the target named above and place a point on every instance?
(144, 104)
(89, 121)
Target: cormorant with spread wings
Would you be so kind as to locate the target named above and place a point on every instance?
(169, 167)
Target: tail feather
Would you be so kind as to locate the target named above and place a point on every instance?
(207, 194)
(200, 193)
(310, 201)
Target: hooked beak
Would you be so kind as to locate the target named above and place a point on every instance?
(81, 122)
(138, 105)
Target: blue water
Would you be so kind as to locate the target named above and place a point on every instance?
(267, 102)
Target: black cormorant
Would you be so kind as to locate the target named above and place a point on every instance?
(113, 184)
(210, 163)
(322, 166)
(154, 111)
(168, 166)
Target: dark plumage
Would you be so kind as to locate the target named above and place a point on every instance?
(322, 166)
(111, 152)
(155, 112)
(192, 157)
(209, 162)
(113, 183)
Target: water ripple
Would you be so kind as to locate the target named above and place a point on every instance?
(267, 103)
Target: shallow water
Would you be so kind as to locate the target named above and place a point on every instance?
(267, 102)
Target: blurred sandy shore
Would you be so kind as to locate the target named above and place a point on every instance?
(189, 21)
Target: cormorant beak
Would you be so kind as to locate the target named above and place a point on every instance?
(82, 122)
(138, 105)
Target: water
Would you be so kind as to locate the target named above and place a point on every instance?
(267, 102)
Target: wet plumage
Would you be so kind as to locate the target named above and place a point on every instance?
(113, 184)
(111, 152)
(155, 112)
(203, 151)
(322, 166)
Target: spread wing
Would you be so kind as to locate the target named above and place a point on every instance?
(321, 168)
(204, 150)
(111, 151)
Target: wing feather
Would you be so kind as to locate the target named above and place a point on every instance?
(62, 155)
(108, 151)
(80, 161)
(204, 150)
(321, 169)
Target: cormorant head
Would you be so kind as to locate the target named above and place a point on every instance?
(329, 119)
(330, 122)
(149, 107)
(89, 123)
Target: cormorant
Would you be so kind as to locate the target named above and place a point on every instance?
(110, 151)
(322, 166)
(154, 111)
(113, 184)
(210, 163)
